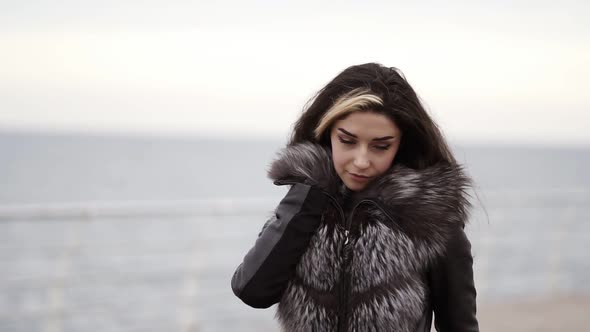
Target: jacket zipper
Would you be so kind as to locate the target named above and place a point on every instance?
(345, 282)
(345, 277)
(347, 253)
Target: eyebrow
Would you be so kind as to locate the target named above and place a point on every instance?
(374, 139)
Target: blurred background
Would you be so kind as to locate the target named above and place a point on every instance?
(135, 138)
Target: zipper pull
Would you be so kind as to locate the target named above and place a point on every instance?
(346, 237)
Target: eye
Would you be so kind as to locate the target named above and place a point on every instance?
(382, 147)
(345, 141)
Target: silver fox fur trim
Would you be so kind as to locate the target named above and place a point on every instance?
(396, 239)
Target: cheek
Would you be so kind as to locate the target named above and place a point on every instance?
(339, 157)
(384, 163)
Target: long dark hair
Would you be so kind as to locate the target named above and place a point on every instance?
(422, 143)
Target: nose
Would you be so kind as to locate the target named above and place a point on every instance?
(361, 160)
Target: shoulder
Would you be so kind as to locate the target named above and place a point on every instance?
(457, 249)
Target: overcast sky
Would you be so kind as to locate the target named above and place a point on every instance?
(500, 71)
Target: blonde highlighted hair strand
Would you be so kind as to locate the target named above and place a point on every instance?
(359, 99)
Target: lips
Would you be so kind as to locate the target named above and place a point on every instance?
(359, 177)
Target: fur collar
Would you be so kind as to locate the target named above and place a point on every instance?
(418, 200)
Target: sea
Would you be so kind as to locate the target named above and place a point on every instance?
(143, 233)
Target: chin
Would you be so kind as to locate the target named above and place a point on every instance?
(354, 186)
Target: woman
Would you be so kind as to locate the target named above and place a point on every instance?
(370, 234)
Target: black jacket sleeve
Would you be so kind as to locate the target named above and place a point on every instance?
(452, 288)
(261, 278)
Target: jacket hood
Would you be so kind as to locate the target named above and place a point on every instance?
(435, 196)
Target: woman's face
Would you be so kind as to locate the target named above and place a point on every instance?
(363, 147)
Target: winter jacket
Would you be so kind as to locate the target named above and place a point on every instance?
(382, 259)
